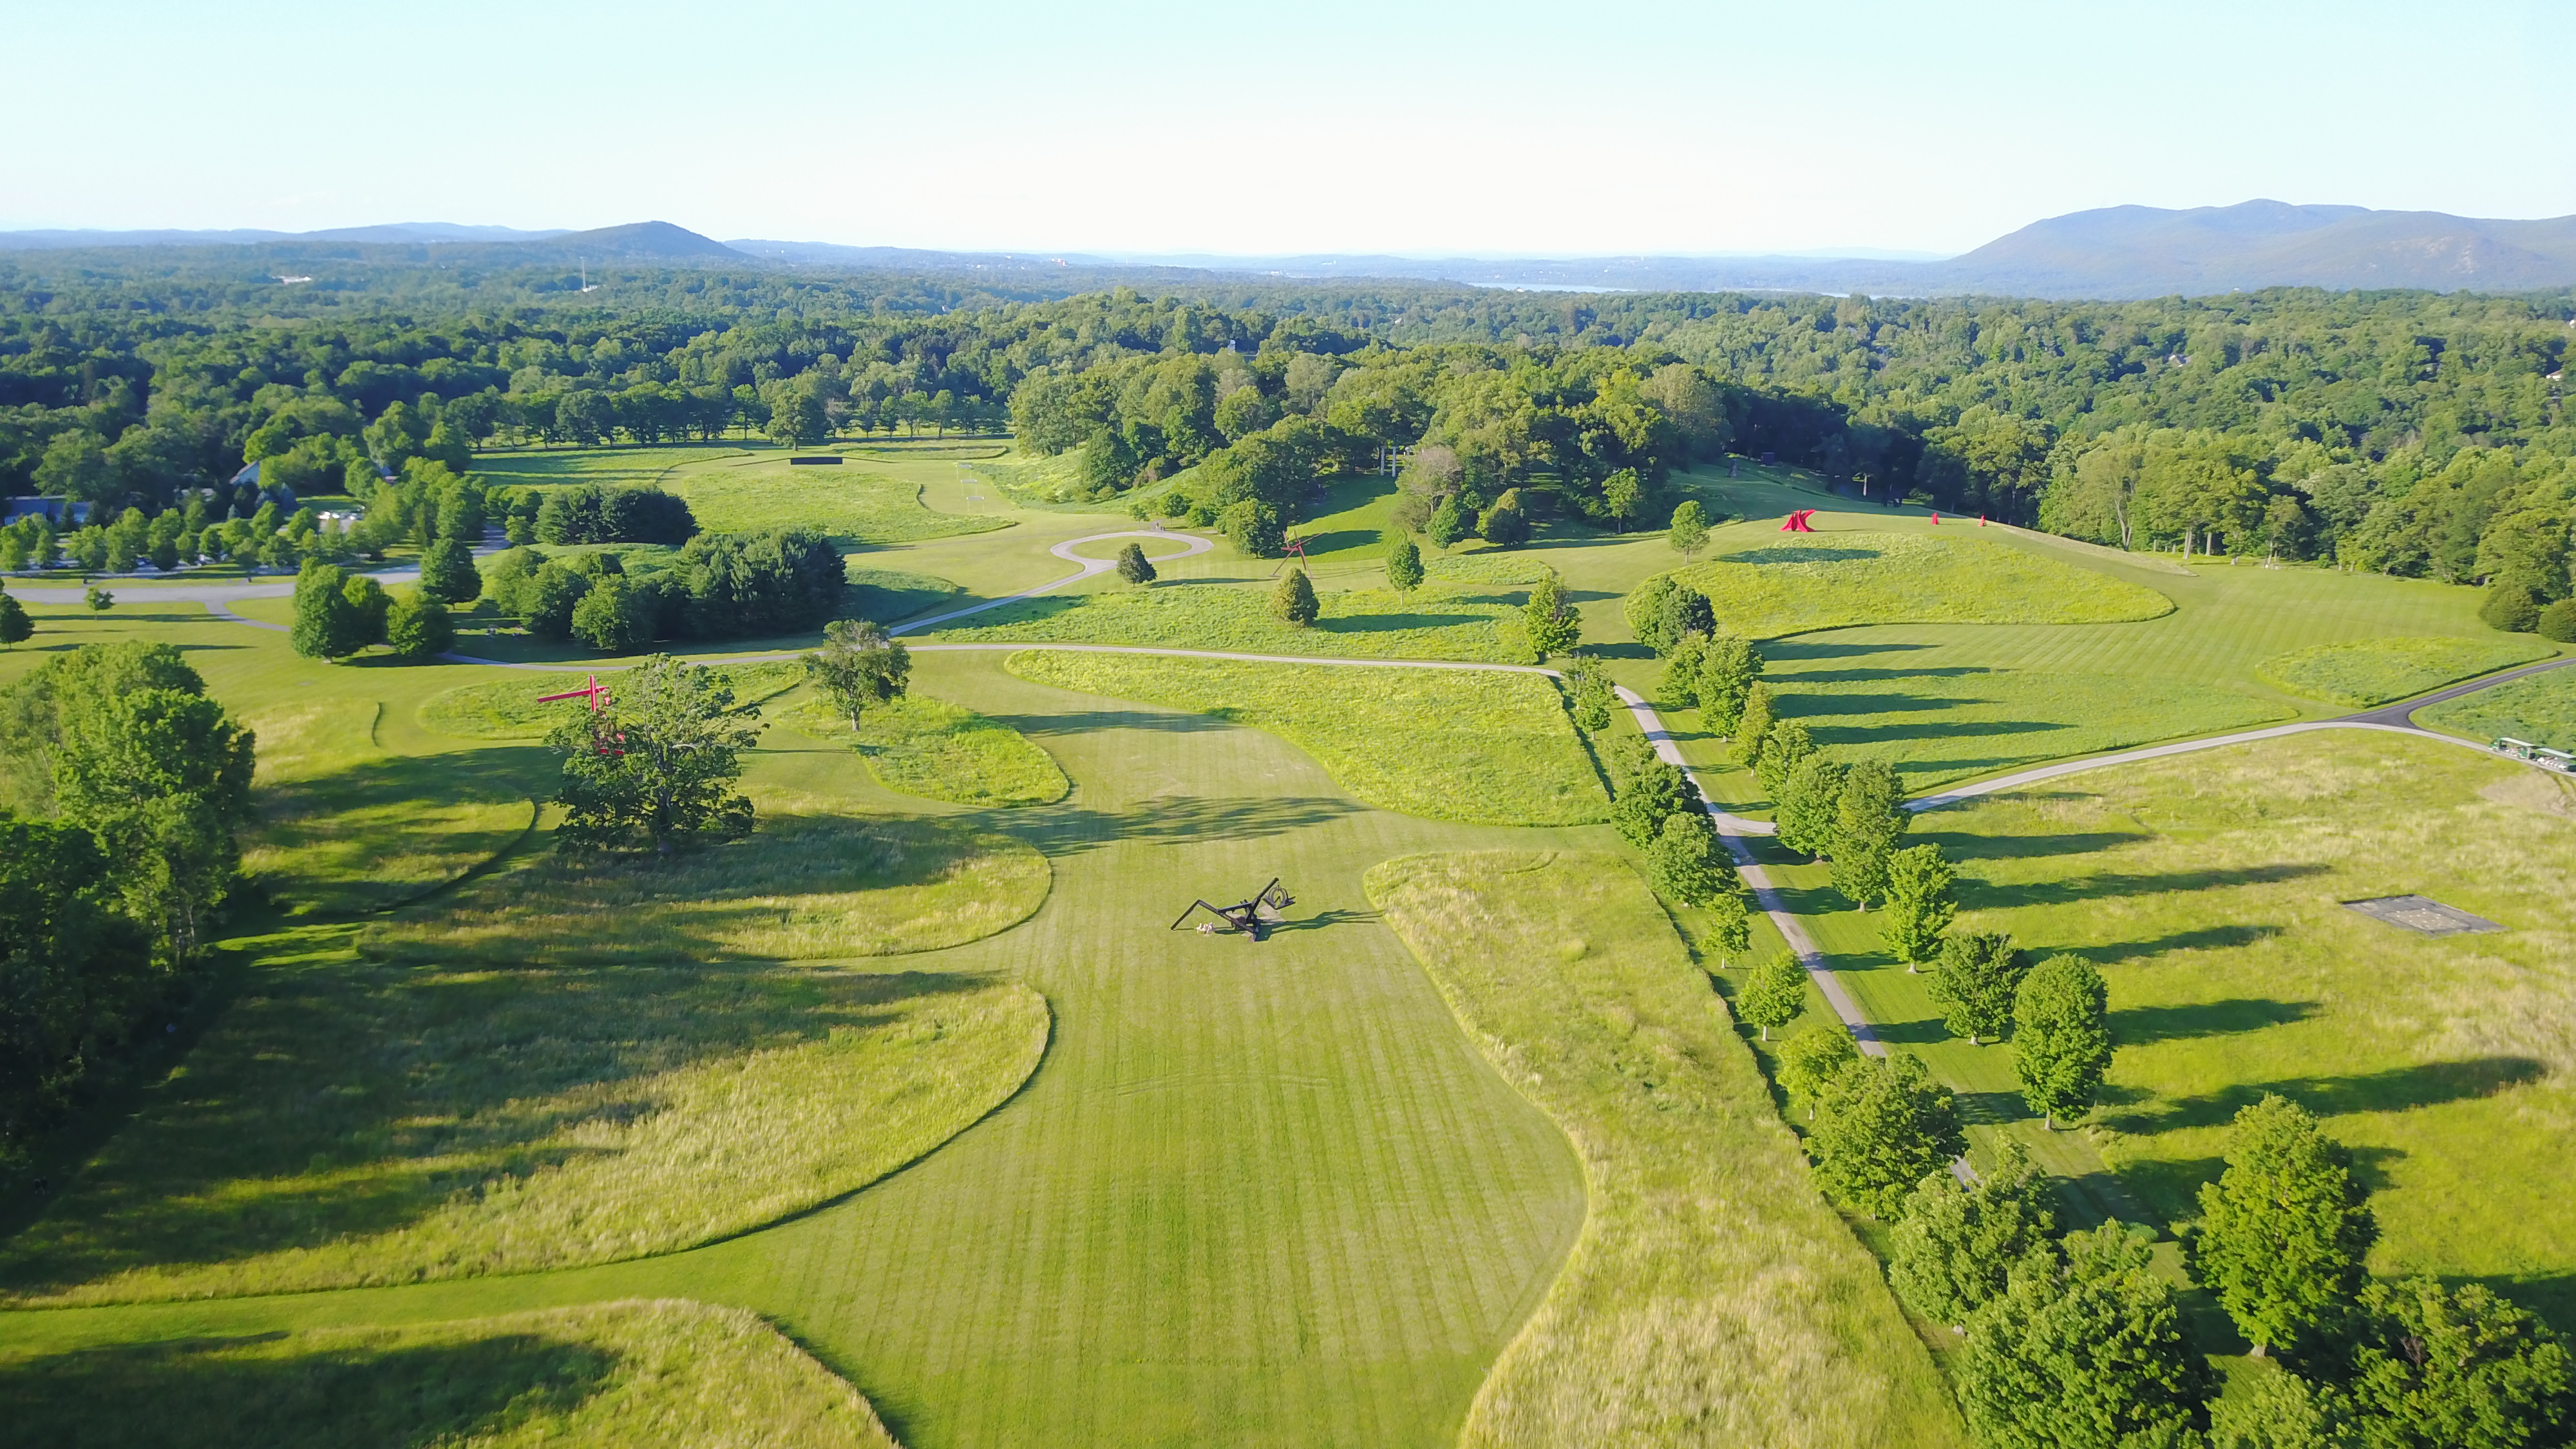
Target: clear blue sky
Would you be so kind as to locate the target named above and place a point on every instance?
(1422, 128)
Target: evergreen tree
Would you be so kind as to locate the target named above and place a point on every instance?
(447, 573)
(1883, 1125)
(1693, 615)
(1805, 814)
(1689, 533)
(2458, 1369)
(1974, 986)
(1294, 600)
(858, 666)
(1869, 818)
(1682, 863)
(1788, 747)
(1956, 1246)
(1449, 523)
(417, 629)
(1774, 993)
(1814, 1058)
(1404, 566)
(1133, 566)
(1921, 903)
(2061, 1037)
(2284, 1230)
(1753, 727)
(657, 766)
(1553, 625)
(2083, 1350)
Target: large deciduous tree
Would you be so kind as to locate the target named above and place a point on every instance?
(2459, 1368)
(1869, 818)
(1956, 1246)
(2083, 1350)
(2061, 1037)
(657, 766)
(1883, 1125)
(859, 666)
(1974, 986)
(1921, 903)
(1553, 625)
(2285, 1229)
(1774, 993)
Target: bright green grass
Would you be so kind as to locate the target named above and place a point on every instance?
(2375, 671)
(1830, 579)
(2540, 709)
(854, 502)
(810, 884)
(1490, 747)
(607, 1375)
(508, 708)
(930, 748)
(1467, 623)
(1714, 1298)
(355, 1120)
(345, 825)
(1939, 725)
(2207, 887)
(889, 595)
(630, 466)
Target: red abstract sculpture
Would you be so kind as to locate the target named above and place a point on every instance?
(1797, 522)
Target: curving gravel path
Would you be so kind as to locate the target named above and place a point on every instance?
(1086, 568)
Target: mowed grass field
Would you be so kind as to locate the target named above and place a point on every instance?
(1478, 622)
(1481, 746)
(2209, 889)
(1825, 580)
(872, 497)
(936, 750)
(1713, 1298)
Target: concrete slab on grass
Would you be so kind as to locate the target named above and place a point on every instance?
(2423, 915)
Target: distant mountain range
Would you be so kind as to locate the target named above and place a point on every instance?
(2115, 252)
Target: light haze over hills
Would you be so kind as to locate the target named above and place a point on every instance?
(2112, 252)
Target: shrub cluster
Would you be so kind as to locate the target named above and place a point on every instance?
(592, 513)
(722, 586)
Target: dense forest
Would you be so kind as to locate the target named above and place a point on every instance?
(2411, 433)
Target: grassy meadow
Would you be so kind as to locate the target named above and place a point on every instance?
(935, 750)
(1827, 580)
(1713, 1298)
(2375, 671)
(2541, 709)
(872, 497)
(608, 1374)
(1476, 622)
(508, 708)
(1487, 747)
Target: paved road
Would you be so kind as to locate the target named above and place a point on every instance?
(1734, 830)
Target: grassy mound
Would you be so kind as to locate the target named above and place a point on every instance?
(1831, 580)
(1713, 1298)
(2375, 671)
(888, 595)
(2208, 888)
(1490, 748)
(603, 1374)
(358, 1120)
(803, 887)
(1962, 723)
(507, 709)
(851, 502)
(941, 751)
(1471, 624)
(346, 826)
(2541, 709)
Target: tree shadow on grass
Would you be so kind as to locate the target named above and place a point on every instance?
(1390, 623)
(1172, 818)
(2204, 938)
(1960, 846)
(2139, 1025)
(1788, 553)
(1086, 721)
(1812, 710)
(1781, 651)
(2120, 883)
(2424, 1084)
(225, 1392)
(343, 831)
(1856, 676)
(348, 1097)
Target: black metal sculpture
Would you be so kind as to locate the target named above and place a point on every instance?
(1250, 918)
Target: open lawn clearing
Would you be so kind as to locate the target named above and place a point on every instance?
(2541, 709)
(345, 826)
(803, 887)
(1941, 725)
(928, 747)
(506, 707)
(2375, 671)
(857, 502)
(1713, 1298)
(1256, 1195)
(1479, 623)
(353, 1120)
(1486, 747)
(1826, 580)
(2208, 888)
(890, 595)
(608, 1375)
(629, 466)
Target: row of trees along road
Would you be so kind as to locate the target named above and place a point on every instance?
(122, 791)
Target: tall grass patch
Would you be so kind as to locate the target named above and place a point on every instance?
(2375, 671)
(802, 887)
(508, 709)
(1713, 1298)
(362, 1120)
(1830, 580)
(1479, 623)
(2541, 709)
(940, 751)
(1487, 748)
(344, 825)
(605, 1374)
